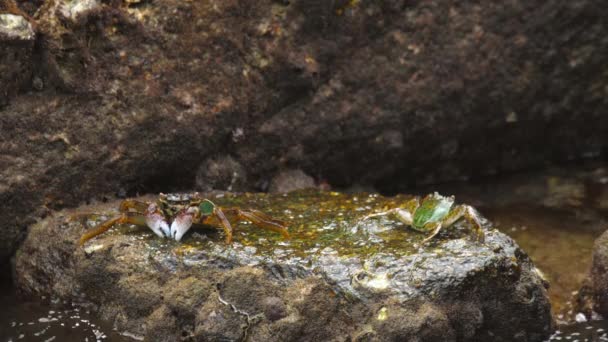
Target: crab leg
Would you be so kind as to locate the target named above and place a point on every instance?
(435, 227)
(259, 219)
(458, 212)
(404, 214)
(124, 207)
(218, 216)
(126, 217)
(223, 217)
(228, 230)
(468, 213)
(137, 206)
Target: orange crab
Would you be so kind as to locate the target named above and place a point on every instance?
(172, 215)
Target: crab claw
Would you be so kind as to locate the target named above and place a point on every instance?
(181, 223)
(156, 221)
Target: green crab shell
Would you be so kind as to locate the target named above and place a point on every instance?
(433, 208)
(206, 207)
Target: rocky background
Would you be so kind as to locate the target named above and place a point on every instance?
(109, 97)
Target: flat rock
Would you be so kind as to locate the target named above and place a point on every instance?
(336, 278)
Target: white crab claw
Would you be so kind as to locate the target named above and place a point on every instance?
(181, 224)
(164, 226)
(156, 222)
(158, 225)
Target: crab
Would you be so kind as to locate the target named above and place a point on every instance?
(172, 215)
(433, 213)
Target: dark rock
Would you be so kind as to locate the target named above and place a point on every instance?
(223, 173)
(336, 278)
(162, 326)
(138, 94)
(427, 323)
(186, 295)
(291, 180)
(595, 292)
(17, 38)
(274, 308)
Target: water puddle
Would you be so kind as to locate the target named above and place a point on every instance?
(558, 243)
(595, 331)
(49, 320)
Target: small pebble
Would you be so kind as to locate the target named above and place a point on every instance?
(580, 317)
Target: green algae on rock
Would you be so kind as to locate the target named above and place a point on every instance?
(371, 279)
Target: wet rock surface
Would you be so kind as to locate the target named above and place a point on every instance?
(593, 296)
(128, 96)
(336, 278)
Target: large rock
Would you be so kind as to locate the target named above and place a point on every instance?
(337, 278)
(593, 296)
(137, 94)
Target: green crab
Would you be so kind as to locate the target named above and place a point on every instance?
(182, 211)
(433, 213)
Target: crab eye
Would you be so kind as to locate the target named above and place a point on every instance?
(152, 208)
(206, 207)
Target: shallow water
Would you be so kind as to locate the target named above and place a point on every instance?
(595, 331)
(554, 216)
(47, 320)
(559, 245)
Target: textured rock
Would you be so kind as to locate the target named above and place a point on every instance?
(594, 293)
(222, 173)
(15, 27)
(336, 278)
(136, 95)
(291, 180)
(17, 39)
